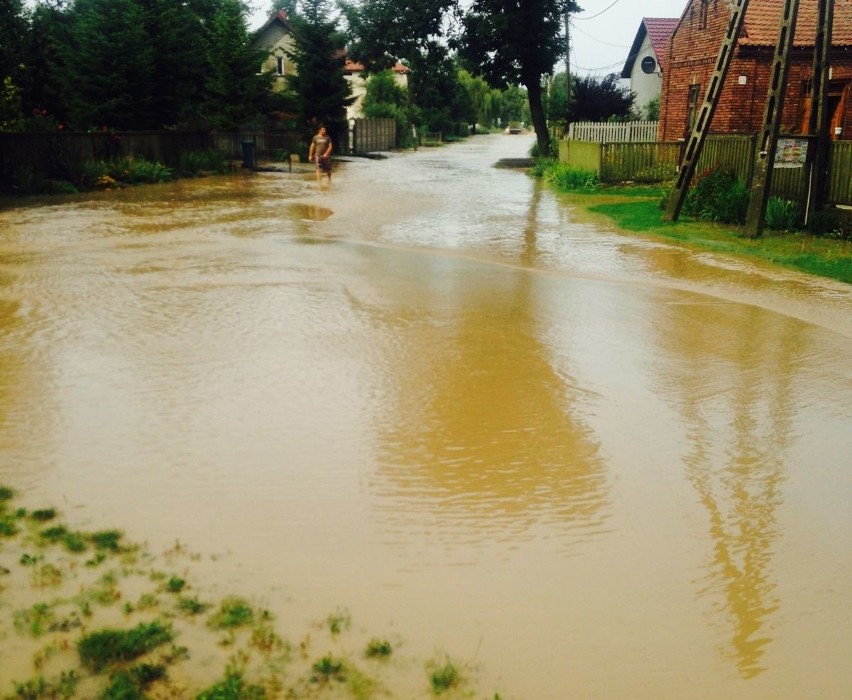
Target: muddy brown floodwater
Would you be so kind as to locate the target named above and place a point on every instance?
(585, 464)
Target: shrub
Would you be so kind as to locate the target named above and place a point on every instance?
(781, 214)
(718, 195)
(832, 223)
(566, 177)
(194, 163)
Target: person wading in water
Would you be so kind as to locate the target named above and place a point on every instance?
(320, 152)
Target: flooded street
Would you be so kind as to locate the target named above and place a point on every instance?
(584, 464)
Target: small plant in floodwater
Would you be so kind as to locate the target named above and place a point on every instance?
(46, 576)
(378, 648)
(265, 638)
(193, 606)
(233, 612)
(43, 514)
(36, 620)
(328, 668)
(95, 560)
(175, 584)
(8, 527)
(339, 621)
(232, 687)
(105, 648)
(36, 688)
(131, 683)
(443, 676)
(6, 494)
(107, 539)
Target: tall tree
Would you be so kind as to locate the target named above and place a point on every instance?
(319, 51)
(235, 93)
(13, 32)
(514, 42)
(110, 65)
(47, 82)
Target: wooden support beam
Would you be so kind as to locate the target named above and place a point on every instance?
(816, 167)
(767, 138)
(692, 151)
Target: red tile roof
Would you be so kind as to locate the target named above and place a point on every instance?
(763, 17)
(353, 67)
(660, 30)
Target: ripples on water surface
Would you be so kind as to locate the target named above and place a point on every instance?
(590, 465)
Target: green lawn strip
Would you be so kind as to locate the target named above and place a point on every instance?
(797, 251)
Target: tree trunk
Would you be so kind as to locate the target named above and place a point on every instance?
(537, 115)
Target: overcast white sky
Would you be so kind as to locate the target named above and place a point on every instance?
(601, 35)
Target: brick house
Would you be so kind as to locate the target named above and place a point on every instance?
(695, 47)
(648, 58)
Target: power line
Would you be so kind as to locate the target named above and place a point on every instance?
(600, 41)
(599, 13)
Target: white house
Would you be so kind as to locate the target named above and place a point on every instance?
(648, 57)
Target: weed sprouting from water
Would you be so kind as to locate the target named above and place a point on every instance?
(193, 606)
(43, 514)
(35, 689)
(232, 687)
(328, 668)
(6, 494)
(233, 612)
(444, 675)
(339, 621)
(175, 584)
(378, 648)
(105, 648)
(36, 621)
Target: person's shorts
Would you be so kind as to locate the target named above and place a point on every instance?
(324, 164)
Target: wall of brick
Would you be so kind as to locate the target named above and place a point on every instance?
(742, 100)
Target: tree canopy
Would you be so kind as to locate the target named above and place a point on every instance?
(320, 54)
(599, 99)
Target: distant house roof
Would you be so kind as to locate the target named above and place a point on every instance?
(353, 67)
(659, 30)
(763, 18)
(279, 17)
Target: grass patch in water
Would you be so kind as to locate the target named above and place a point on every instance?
(105, 648)
(233, 612)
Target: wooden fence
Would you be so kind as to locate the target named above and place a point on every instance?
(658, 162)
(372, 135)
(613, 132)
(57, 154)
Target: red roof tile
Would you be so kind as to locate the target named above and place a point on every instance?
(660, 30)
(763, 17)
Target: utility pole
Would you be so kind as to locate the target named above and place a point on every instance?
(705, 114)
(567, 55)
(817, 158)
(767, 141)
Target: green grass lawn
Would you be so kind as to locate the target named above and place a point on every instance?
(637, 210)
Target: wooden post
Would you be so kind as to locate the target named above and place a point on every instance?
(817, 159)
(767, 140)
(705, 115)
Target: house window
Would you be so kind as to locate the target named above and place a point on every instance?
(691, 108)
(702, 18)
(280, 66)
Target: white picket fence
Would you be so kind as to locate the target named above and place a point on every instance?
(613, 132)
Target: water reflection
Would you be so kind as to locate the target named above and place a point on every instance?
(734, 390)
(486, 439)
